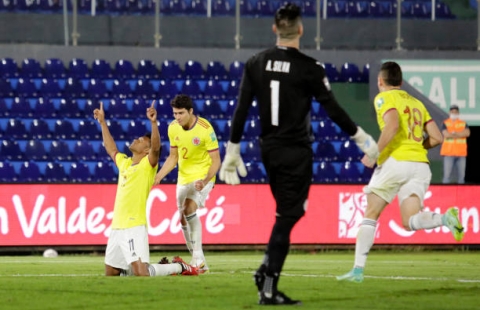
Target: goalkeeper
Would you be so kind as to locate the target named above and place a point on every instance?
(284, 80)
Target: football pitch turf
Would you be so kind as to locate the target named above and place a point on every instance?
(393, 280)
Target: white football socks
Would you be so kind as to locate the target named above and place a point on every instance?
(365, 238)
(157, 270)
(196, 239)
(425, 220)
(188, 241)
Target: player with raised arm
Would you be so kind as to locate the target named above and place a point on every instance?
(403, 167)
(127, 250)
(194, 147)
(284, 81)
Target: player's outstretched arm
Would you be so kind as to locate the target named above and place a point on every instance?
(154, 153)
(109, 143)
(231, 164)
(167, 166)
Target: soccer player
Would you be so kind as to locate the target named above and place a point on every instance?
(127, 250)
(403, 167)
(194, 147)
(284, 81)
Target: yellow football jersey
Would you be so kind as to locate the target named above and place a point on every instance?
(134, 184)
(193, 147)
(407, 145)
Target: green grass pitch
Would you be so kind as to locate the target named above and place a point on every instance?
(394, 280)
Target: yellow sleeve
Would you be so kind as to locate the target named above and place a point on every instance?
(211, 142)
(171, 135)
(383, 104)
(120, 160)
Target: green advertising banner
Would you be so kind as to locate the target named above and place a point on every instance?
(447, 83)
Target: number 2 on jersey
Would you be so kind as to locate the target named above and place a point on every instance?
(275, 101)
(416, 115)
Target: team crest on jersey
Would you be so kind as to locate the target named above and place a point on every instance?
(379, 102)
(196, 141)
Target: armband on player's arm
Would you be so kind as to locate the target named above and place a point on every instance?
(366, 143)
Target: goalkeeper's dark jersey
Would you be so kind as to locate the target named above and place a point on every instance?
(284, 81)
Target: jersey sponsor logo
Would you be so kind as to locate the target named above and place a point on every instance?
(196, 141)
(278, 66)
(213, 137)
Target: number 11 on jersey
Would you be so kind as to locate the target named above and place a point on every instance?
(274, 97)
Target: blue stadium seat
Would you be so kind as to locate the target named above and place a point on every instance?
(331, 72)
(147, 69)
(6, 89)
(7, 172)
(140, 6)
(367, 174)
(64, 130)
(443, 11)
(45, 108)
(193, 70)
(222, 129)
(138, 107)
(39, 129)
(192, 88)
(144, 89)
(15, 129)
(255, 173)
(10, 150)
(349, 173)
(251, 151)
(50, 88)
(74, 89)
(26, 88)
(317, 112)
(250, 7)
(78, 68)
(164, 110)
(252, 130)
(83, 150)
(171, 70)
(80, 173)
(167, 89)
(121, 89)
(337, 8)
(325, 151)
(19, 107)
(6, 6)
(54, 68)
(59, 151)
(211, 109)
(8, 68)
(382, 9)
(135, 129)
(68, 108)
(324, 172)
(350, 73)
(223, 7)
(116, 129)
(97, 89)
(118, 108)
(35, 149)
(115, 6)
(310, 8)
(349, 151)
(232, 89)
(100, 69)
(235, 70)
(88, 130)
(55, 172)
(213, 90)
(365, 77)
(325, 130)
(31, 68)
(104, 172)
(124, 69)
(49, 6)
(216, 70)
(358, 9)
(30, 173)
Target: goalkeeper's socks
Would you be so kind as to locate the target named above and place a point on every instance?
(157, 270)
(270, 285)
(425, 220)
(188, 241)
(365, 238)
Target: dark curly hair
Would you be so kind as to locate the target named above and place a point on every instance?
(182, 101)
(287, 20)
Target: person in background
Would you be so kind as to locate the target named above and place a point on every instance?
(454, 147)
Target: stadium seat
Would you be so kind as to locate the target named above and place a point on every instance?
(349, 173)
(121, 89)
(338, 8)
(114, 7)
(331, 72)
(45, 108)
(19, 107)
(105, 173)
(236, 70)
(170, 70)
(211, 109)
(64, 130)
(54, 68)
(324, 172)
(349, 151)
(192, 89)
(30, 173)
(193, 70)
(35, 149)
(138, 107)
(144, 89)
(39, 129)
(6, 89)
(31, 68)
(147, 69)
(116, 129)
(100, 69)
(50, 88)
(365, 77)
(232, 89)
(167, 89)
(97, 89)
(164, 110)
(443, 11)
(350, 73)
(250, 7)
(252, 130)
(251, 151)
(8, 68)
(78, 68)
(26, 88)
(325, 130)
(118, 108)
(124, 69)
(216, 71)
(50, 6)
(88, 130)
(80, 173)
(69, 108)
(15, 129)
(135, 129)
(223, 7)
(358, 9)
(7, 172)
(325, 151)
(6, 6)
(222, 129)
(213, 90)
(10, 150)
(317, 112)
(55, 172)
(74, 89)
(59, 151)
(255, 173)
(83, 150)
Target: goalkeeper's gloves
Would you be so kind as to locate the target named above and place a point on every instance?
(366, 143)
(231, 163)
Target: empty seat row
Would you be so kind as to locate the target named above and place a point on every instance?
(253, 8)
(123, 69)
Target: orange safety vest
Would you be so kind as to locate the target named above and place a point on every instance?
(454, 146)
